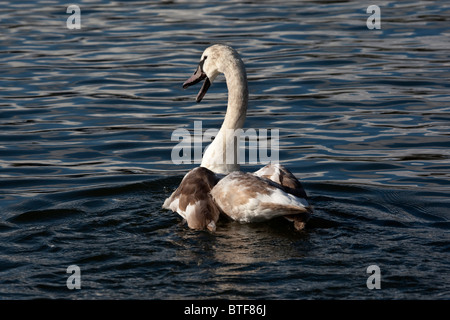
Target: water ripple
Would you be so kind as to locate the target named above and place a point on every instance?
(87, 117)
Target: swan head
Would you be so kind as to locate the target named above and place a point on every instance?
(214, 60)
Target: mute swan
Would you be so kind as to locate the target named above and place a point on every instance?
(219, 187)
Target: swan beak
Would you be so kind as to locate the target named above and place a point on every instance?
(198, 76)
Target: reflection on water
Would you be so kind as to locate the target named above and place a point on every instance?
(86, 118)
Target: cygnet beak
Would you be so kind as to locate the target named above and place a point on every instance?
(198, 76)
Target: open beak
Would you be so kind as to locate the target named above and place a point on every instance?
(198, 76)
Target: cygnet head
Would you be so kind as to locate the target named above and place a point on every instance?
(215, 59)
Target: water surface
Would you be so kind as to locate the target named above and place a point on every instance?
(87, 115)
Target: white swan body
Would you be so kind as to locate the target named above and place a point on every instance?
(217, 186)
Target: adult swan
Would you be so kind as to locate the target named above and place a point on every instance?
(217, 186)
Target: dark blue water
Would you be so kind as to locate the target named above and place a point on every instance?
(86, 118)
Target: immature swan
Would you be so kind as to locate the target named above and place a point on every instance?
(217, 186)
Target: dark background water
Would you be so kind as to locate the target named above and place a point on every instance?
(86, 118)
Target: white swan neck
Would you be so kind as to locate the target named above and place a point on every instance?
(217, 157)
(236, 79)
